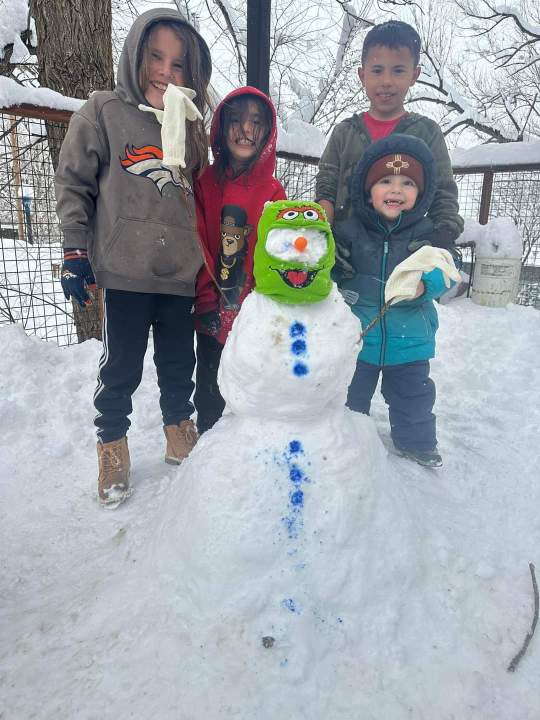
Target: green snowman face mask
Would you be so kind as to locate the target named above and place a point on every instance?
(295, 252)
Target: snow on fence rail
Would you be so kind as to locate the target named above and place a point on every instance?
(30, 238)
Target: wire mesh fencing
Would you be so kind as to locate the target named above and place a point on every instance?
(297, 175)
(517, 195)
(31, 244)
(30, 238)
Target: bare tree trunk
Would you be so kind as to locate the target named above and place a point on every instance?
(74, 50)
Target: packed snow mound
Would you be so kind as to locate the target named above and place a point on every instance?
(500, 238)
(92, 625)
(279, 548)
(296, 364)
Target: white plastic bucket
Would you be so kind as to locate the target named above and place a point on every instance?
(495, 281)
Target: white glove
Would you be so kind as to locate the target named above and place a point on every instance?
(178, 109)
(403, 281)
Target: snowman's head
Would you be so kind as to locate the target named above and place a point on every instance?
(294, 252)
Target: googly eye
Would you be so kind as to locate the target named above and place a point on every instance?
(311, 214)
(290, 215)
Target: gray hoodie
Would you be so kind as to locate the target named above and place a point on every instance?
(135, 217)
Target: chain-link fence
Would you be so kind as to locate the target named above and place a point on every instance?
(30, 239)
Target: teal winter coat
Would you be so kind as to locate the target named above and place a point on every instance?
(368, 251)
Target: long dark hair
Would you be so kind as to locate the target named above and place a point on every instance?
(239, 106)
(196, 78)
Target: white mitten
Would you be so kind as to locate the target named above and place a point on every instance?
(403, 281)
(178, 109)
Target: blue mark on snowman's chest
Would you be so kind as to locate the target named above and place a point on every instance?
(298, 333)
(294, 520)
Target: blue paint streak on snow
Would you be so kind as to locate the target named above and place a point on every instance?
(298, 332)
(299, 347)
(300, 369)
(290, 605)
(296, 474)
(295, 447)
(294, 521)
(297, 329)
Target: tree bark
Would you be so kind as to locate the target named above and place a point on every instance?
(74, 50)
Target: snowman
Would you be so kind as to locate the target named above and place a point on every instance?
(265, 539)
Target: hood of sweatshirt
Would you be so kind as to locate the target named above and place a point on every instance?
(266, 164)
(127, 87)
(394, 143)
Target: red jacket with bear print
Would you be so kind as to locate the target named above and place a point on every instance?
(231, 210)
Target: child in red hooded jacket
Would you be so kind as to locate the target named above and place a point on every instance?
(230, 198)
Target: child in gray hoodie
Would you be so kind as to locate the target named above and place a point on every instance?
(129, 222)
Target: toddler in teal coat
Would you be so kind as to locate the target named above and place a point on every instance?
(392, 189)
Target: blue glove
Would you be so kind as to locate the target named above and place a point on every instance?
(76, 276)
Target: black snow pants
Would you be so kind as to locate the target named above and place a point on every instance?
(409, 393)
(127, 319)
(208, 401)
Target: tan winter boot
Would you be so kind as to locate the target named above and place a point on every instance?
(114, 467)
(181, 440)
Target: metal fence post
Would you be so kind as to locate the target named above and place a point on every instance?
(258, 44)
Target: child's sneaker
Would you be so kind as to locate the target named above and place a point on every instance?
(426, 458)
(181, 440)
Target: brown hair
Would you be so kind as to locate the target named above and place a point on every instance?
(197, 77)
(239, 105)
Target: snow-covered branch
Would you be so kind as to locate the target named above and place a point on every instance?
(309, 104)
(492, 16)
(236, 31)
(17, 36)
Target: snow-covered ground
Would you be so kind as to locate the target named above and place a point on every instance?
(90, 630)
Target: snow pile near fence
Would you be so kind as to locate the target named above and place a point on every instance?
(300, 138)
(11, 93)
(500, 238)
(497, 155)
(12, 23)
(89, 632)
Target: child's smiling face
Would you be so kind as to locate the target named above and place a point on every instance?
(245, 133)
(387, 74)
(164, 60)
(393, 194)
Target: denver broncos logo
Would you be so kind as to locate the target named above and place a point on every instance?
(146, 162)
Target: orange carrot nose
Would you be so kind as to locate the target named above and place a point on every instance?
(300, 243)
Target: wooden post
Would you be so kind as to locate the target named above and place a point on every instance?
(17, 180)
(485, 199)
(258, 44)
